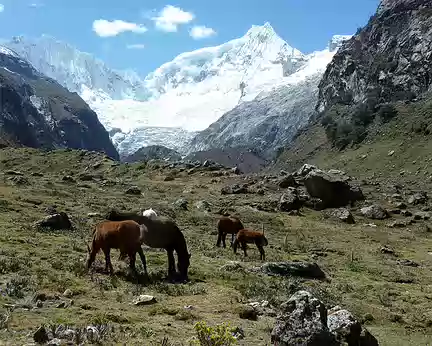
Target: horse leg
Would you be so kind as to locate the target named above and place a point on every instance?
(261, 250)
(92, 257)
(243, 245)
(219, 239)
(108, 264)
(223, 239)
(143, 260)
(232, 238)
(235, 244)
(171, 263)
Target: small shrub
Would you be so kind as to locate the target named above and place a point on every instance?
(17, 286)
(220, 335)
(387, 112)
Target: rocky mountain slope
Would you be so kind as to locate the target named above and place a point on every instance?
(181, 97)
(36, 111)
(388, 60)
(375, 97)
(271, 120)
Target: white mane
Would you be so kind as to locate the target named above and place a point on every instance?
(150, 213)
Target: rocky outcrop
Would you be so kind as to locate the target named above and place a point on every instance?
(305, 321)
(38, 112)
(333, 190)
(265, 123)
(388, 60)
(153, 152)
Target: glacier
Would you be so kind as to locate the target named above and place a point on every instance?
(182, 97)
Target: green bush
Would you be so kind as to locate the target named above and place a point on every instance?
(219, 335)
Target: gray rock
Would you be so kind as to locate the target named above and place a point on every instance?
(289, 201)
(397, 224)
(374, 212)
(133, 190)
(418, 198)
(234, 189)
(303, 322)
(144, 299)
(287, 181)
(349, 331)
(342, 214)
(406, 213)
(181, 204)
(54, 342)
(55, 222)
(334, 191)
(407, 262)
(248, 312)
(305, 170)
(41, 335)
(421, 215)
(203, 205)
(293, 268)
(232, 266)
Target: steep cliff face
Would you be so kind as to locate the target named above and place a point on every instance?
(38, 112)
(390, 59)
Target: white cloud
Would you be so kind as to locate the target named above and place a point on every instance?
(106, 28)
(170, 17)
(135, 46)
(1, 7)
(36, 5)
(200, 31)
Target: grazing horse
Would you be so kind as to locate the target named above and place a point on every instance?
(245, 236)
(150, 213)
(162, 233)
(228, 225)
(127, 236)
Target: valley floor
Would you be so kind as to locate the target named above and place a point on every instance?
(393, 300)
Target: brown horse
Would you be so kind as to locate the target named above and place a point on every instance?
(245, 236)
(127, 236)
(161, 233)
(228, 225)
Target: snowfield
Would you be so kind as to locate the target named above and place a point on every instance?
(183, 96)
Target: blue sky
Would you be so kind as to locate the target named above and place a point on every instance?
(143, 34)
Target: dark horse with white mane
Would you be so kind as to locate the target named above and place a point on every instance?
(161, 233)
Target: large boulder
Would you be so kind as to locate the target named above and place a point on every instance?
(349, 331)
(303, 322)
(290, 200)
(334, 190)
(55, 221)
(293, 268)
(374, 212)
(418, 198)
(287, 181)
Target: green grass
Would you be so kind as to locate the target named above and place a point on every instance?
(46, 263)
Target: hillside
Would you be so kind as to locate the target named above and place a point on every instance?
(38, 112)
(43, 280)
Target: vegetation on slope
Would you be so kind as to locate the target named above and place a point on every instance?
(393, 300)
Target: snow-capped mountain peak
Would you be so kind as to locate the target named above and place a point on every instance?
(182, 96)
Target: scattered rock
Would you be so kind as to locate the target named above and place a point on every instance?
(10, 172)
(248, 312)
(68, 293)
(418, 198)
(349, 331)
(133, 190)
(41, 335)
(292, 268)
(290, 200)
(406, 213)
(18, 180)
(343, 215)
(85, 177)
(407, 262)
(235, 170)
(93, 214)
(397, 224)
(144, 299)
(287, 181)
(305, 170)
(54, 342)
(334, 191)
(387, 250)
(232, 266)
(421, 215)
(169, 178)
(234, 189)
(68, 178)
(391, 153)
(374, 212)
(303, 322)
(181, 204)
(203, 205)
(238, 333)
(55, 221)
(39, 304)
